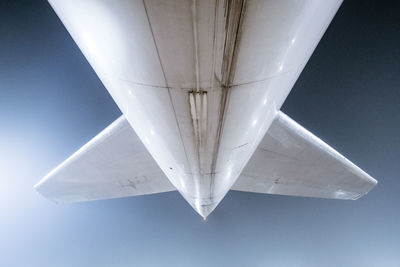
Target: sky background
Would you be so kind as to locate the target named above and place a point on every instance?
(51, 103)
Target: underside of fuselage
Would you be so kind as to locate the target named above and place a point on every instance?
(200, 82)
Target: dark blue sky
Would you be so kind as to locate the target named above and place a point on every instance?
(51, 103)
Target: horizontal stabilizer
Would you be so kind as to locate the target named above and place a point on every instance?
(113, 164)
(292, 161)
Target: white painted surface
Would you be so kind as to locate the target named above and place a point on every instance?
(113, 164)
(289, 161)
(292, 161)
(199, 81)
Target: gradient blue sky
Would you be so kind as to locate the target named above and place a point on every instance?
(51, 103)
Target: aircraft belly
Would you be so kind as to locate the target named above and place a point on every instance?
(200, 140)
(199, 81)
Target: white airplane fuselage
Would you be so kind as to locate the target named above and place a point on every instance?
(199, 81)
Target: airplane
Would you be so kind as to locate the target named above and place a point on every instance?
(200, 84)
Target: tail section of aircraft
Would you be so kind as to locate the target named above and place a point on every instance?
(200, 83)
(289, 161)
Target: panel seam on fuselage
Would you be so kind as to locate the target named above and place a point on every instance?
(210, 87)
(166, 82)
(225, 84)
